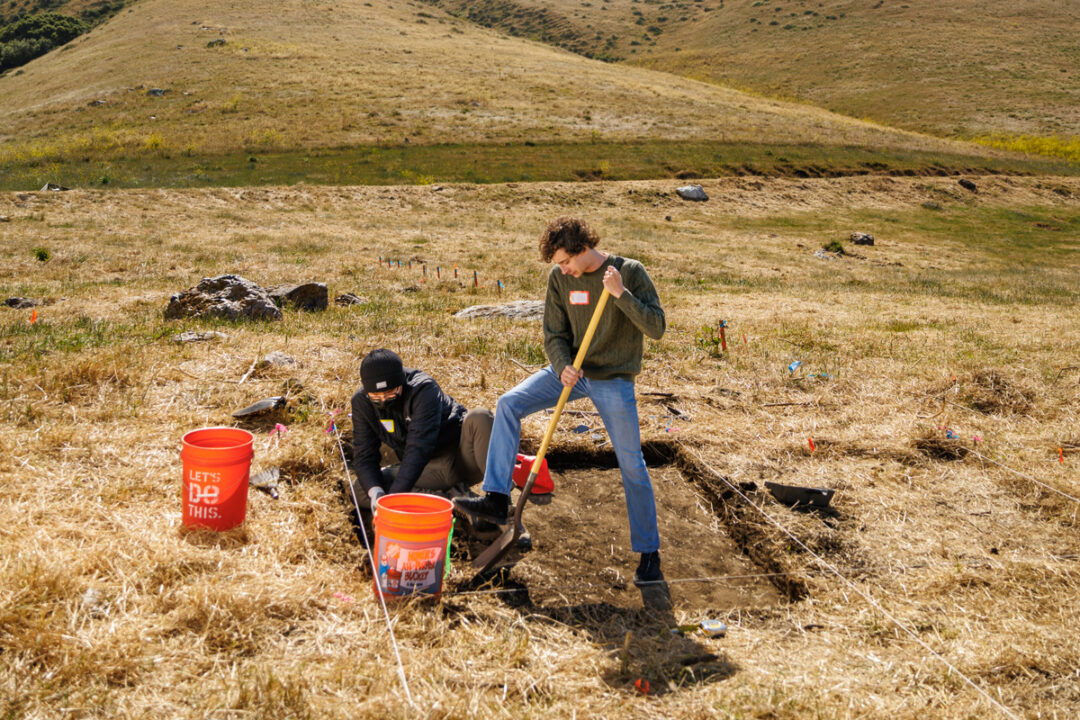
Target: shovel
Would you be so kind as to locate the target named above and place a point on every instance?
(495, 552)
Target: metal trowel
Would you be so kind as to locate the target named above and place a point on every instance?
(266, 481)
(270, 403)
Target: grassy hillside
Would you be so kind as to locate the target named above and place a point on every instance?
(961, 319)
(181, 82)
(956, 67)
(89, 10)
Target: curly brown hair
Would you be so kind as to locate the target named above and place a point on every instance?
(568, 233)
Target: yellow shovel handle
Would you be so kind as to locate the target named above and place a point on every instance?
(565, 395)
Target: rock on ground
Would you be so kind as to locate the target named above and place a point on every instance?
(692, 192)
(227, 296)
(346, 299)
(861, 238)
(277, 358)
(519, 310)
(20, 303)
(192, 336)
(308, 296)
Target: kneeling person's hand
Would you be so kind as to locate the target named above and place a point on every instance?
(374, 494)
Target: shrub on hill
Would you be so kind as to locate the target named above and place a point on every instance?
(101, 10)
(30, 37)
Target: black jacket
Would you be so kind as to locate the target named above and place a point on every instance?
(419, 423)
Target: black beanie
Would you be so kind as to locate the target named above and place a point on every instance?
(381, 370)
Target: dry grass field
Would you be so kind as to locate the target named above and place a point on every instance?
(961, 319)
(952, 67)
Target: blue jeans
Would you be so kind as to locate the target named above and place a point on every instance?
(615, 401)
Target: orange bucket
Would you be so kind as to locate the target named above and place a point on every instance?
(412, 532)
(217, 462)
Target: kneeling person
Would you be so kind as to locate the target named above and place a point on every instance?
(439, 446)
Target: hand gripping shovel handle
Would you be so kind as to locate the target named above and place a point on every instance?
(495, 552)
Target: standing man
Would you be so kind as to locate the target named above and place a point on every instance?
(580, 274)
(439, 446)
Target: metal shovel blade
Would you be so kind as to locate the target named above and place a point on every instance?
(271, 403)
(497, 550)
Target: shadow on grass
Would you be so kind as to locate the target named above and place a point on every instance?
(221, 540)
(652, 656)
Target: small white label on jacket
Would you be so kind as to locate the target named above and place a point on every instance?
(388, 425)
(579, 297)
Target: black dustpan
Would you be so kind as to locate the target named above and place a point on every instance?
(795, 495)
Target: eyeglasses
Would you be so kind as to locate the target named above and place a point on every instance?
(384, 395)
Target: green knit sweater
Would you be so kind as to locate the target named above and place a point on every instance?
(618, 344)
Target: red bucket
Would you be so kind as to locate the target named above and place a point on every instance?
(543, 483)
(217, 462)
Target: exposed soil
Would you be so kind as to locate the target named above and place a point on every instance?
(581, 547)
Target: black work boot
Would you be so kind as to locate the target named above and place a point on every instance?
(648, 570)
(492, 507)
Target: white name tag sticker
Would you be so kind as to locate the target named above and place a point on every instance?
(388, 425)
(579, 297)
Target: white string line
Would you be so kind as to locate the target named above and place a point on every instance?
(713, 578)
(988, 563)
(1028, 477)
(865, 596)
(991, 563)
(374, 568)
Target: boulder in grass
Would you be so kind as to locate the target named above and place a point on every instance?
(207, 336)
(519, 310)
(226, 296)
(692, 192)
(968, 185)
(277, 359)
(309, 296)
(346, 299)
(861, 238)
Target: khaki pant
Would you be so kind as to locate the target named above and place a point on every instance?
(451, 471)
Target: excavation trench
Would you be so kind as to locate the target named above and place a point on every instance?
(717, 553)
